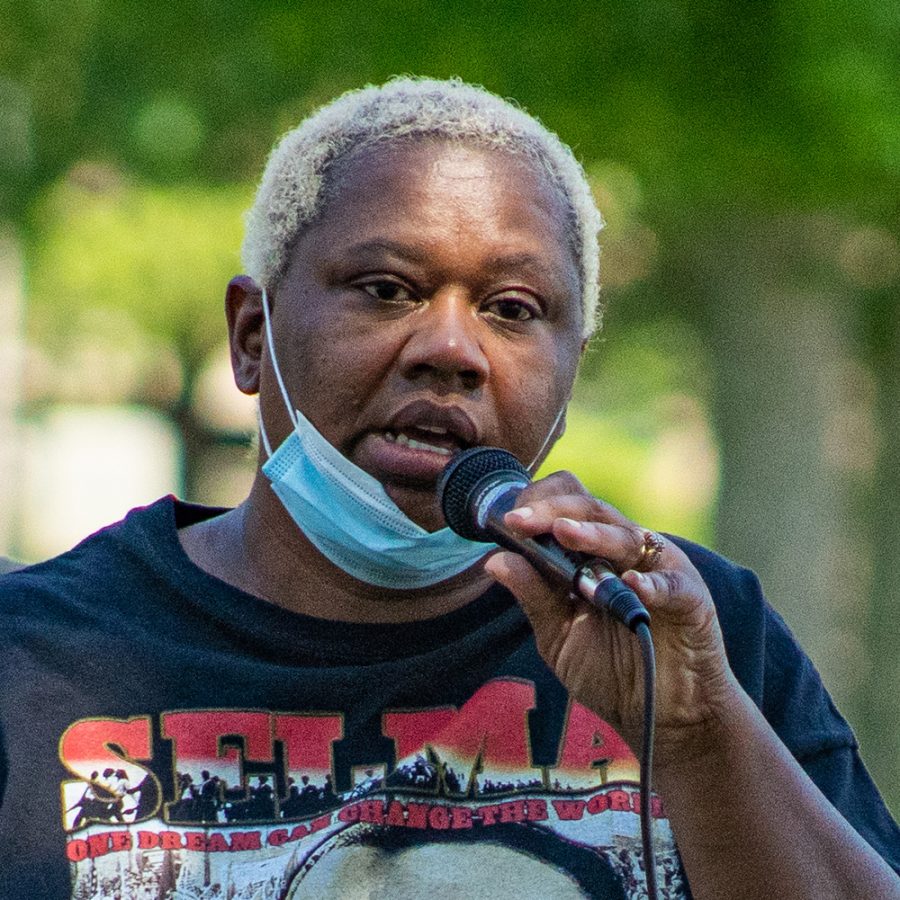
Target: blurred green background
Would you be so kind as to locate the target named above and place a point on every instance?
(745, 391)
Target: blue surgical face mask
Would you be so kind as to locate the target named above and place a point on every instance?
(347, 514)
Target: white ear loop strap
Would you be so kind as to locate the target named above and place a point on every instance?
(549, 435)
(262, 432)
(271, 343)
(287, 403)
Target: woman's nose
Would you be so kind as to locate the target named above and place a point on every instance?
(444, 341)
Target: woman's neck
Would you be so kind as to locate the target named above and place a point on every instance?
(258, 549)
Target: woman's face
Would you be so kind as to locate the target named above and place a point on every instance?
(433, 305)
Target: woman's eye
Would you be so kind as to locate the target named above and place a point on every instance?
(388, 291)
(512, 309)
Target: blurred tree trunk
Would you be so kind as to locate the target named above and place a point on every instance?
(794, 440)
(878, 696)
(196, 438)
(776, 351)
(11, 357)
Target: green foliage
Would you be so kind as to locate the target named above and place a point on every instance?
(621, 464)
(767, 103)
(125, 126)
(162, 256)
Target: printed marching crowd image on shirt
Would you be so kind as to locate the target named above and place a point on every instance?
(191, 801)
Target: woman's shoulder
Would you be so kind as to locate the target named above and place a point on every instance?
(735, 589)
(8, 565)
(88, 570)
(767, 659)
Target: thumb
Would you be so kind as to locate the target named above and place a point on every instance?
(547, 607)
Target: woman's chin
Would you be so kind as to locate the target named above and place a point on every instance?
(421, 504)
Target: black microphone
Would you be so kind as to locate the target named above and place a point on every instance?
(479, 486)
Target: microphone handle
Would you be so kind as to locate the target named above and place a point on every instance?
(587, 576)
(554, 562)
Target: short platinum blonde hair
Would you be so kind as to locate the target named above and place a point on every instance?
(293, 187)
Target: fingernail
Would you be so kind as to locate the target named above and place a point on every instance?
(523, 512)
(571, 522)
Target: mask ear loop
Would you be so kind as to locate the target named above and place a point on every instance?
(262, 432)
(562, 412)
(287, 403)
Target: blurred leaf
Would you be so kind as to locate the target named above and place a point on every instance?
(163, 255)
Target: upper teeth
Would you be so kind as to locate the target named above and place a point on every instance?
(418, 445)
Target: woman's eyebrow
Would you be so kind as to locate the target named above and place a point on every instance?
(504, 261)
(521, 260)
(393, 248)
(533, 265)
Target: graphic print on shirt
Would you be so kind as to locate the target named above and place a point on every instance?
(252, 803)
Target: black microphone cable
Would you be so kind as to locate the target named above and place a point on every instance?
(648, 657)
(477, 488)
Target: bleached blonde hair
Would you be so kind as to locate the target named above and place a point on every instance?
(293, 186)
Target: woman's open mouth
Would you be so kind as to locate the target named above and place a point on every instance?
(407, 456)
(415, 443)
(433, 439)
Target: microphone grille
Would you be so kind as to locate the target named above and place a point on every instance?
(462, 476)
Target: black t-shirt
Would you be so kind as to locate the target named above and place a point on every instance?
(163, 734)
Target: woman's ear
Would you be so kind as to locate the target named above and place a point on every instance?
(246, 329)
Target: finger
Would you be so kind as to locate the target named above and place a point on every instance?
(549, 611)
(621, 546)
(535, 514)
(558, 621)
(676, 592)
(533, 497)
(559, 483)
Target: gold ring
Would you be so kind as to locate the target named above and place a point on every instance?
(652, 545)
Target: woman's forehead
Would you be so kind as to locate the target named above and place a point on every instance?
(438, 188)
(422, 161)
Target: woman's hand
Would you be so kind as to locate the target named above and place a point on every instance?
(598, 659)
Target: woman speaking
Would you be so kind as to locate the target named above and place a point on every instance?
(432, 716)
